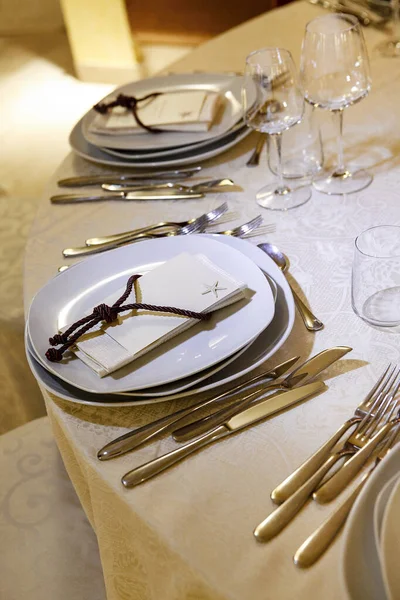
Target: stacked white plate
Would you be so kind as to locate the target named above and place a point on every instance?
(242, 337)
(372, 536)
(169, 148)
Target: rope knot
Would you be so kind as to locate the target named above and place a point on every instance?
(54, 354)
(58, 338)
(105, 313)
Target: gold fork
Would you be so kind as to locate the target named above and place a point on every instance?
(283, 514)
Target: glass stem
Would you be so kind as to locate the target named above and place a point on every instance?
(281, 189)
(340, 169)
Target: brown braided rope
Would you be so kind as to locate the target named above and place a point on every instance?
(130, 103)
(106, 313)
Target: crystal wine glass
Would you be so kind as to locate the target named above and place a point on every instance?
(273, 103)
(334, 75)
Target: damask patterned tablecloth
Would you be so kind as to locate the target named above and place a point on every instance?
(187, 534)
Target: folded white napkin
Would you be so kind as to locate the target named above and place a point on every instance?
(191, 282)
(172, 111)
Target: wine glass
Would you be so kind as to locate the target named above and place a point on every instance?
(272, 103)
(334, 75)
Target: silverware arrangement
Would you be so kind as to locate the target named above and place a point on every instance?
(198, 225)
(285, 390)
(376, 421)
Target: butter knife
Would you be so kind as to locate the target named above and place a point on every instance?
(84, 180)
(247, 417)
(75, 198)
(133, 439)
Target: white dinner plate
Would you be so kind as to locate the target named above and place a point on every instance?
(265, 345)
(360, 561)
(230, 112)
(86, 150)
(380, 507)
(134, 155)
(390, 544)
(73, 294)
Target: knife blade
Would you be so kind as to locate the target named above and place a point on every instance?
(304, 373)
(247, 417)
(133, 439)
(84, 180)
(75, 198)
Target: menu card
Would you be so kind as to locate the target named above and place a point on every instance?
(173, 111)
(188, 281)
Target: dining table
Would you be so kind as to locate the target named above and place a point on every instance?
(188, 533)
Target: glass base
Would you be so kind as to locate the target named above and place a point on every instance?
(342, 182)
(382, 308)
(390, 49)
(284, 198)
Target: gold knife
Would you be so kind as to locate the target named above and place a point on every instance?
(84, 180)
(247, 417)
(73, 198)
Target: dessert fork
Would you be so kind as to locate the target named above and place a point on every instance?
(212, 215)
(294, 481)
(361, 449)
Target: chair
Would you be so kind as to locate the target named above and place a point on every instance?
(48, 549)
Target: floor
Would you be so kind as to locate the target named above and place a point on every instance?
(40, 101)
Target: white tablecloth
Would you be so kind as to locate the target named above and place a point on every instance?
(188, 532)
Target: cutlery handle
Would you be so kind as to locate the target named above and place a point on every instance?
(96, 241)
(339, 480)
(86, 250)
(254, 159)
(131, 440)
(319, 541)
(196, 428)
(292, 483)
(114, 178)
(74, 198)
(282, 515)
(310, 320)
(156, 466)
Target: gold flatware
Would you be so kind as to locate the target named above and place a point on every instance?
(133, 439)
(125, 196)
(213, 185)
(301, 375)
(284, 514)
(90, 180)
(309, 467)
(319, 541)
(244, 419)
(216, 214)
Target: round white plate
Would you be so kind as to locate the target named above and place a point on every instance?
(267, 343)
(71, 295)
(360, 561)
(170, 152)
(380, 507)
(390, 544)
(86, 150)
(228, 86)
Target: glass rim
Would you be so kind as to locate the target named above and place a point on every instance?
(354, 23)
(370, 229)
(277, 49)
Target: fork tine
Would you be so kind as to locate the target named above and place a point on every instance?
(376, 397)
(370, 395)
(385, 410)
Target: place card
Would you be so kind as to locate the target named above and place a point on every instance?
(190, 282)
(191, 111)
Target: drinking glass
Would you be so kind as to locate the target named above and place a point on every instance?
(334, 75)
(302, 151)
(375, 292)
(273, 103)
